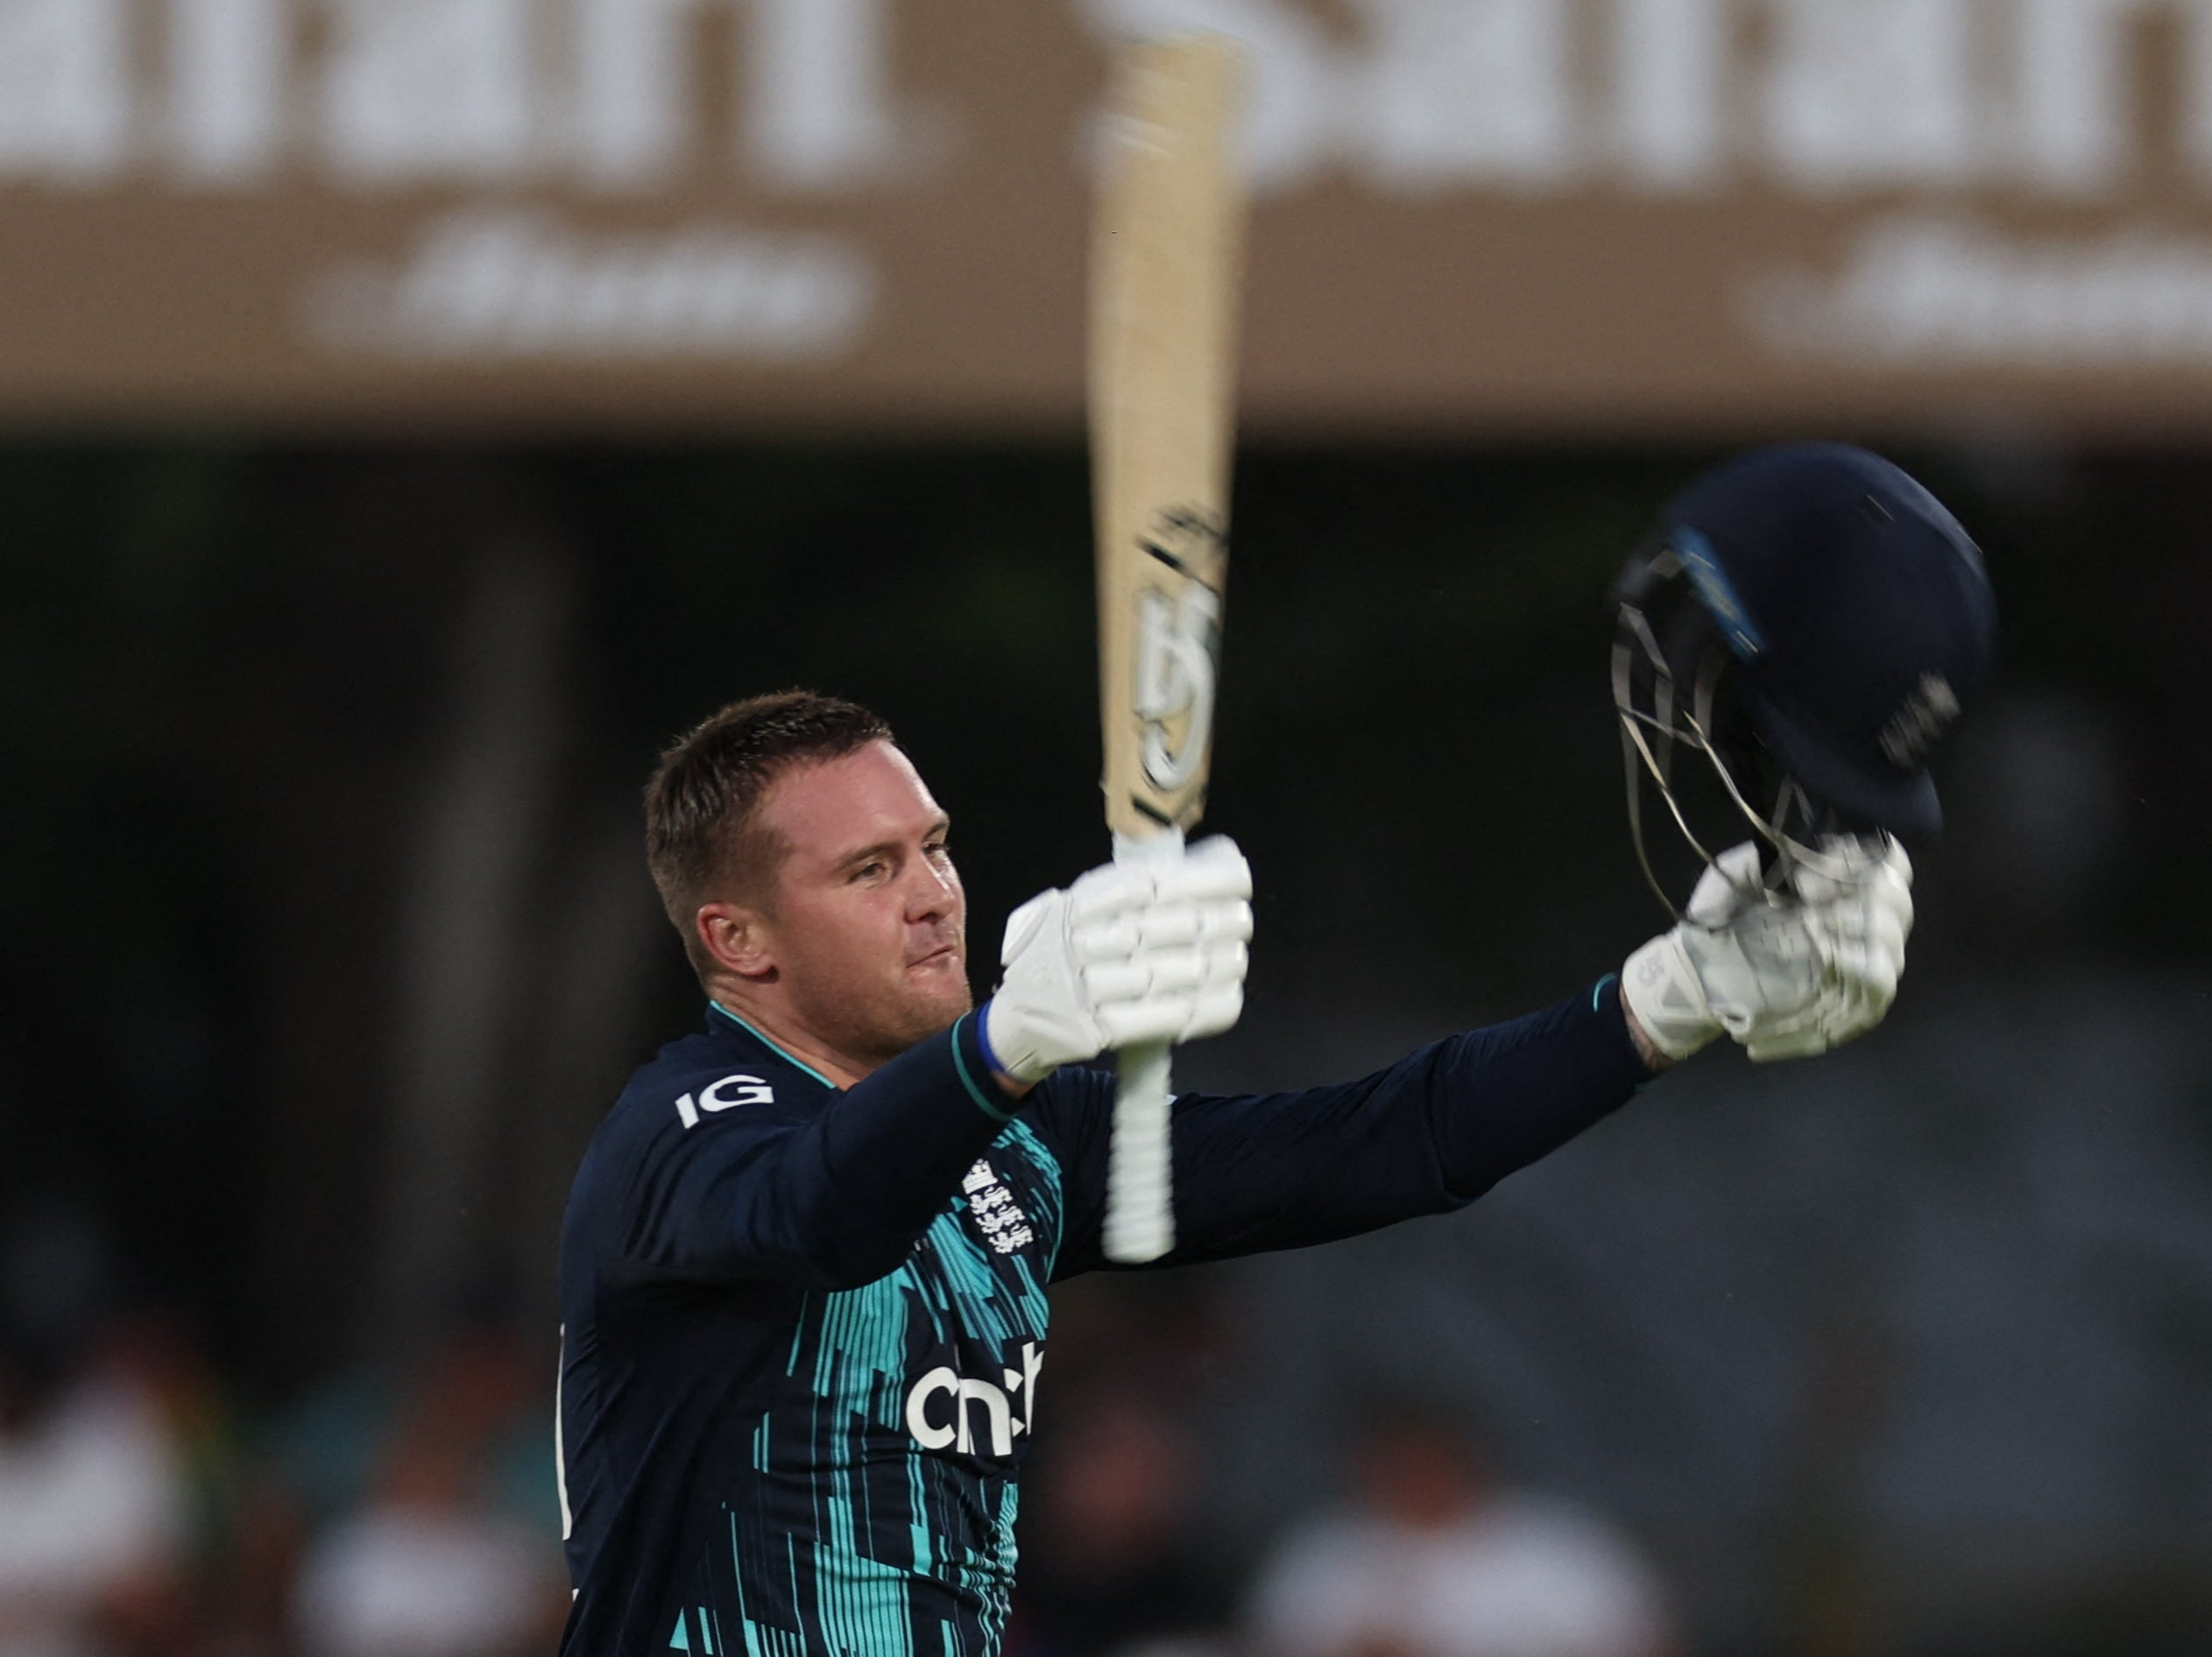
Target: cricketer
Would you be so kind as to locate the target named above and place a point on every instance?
(803, 1272)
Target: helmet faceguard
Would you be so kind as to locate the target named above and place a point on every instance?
(1675, 691)
(1809, 619)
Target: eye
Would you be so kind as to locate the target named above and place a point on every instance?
(872, 869)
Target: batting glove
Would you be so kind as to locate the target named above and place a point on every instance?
(1131, 952)
(1788, 974)
(1858, 905)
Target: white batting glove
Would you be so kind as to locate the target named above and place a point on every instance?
(1788, 974)
(1130, 952)
(1858, 904)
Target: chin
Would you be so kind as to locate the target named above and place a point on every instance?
(928, 1009)
(955, 999)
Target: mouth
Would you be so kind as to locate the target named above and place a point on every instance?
(947, 952)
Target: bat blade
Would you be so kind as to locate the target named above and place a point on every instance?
(1166, 255)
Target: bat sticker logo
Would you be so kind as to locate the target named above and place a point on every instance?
(1178, 642)
(1179, 648)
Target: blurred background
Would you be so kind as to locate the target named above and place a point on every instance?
(418, 411)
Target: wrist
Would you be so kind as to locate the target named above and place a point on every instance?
(1646, 1048)
(1013, 1081)
(1664, 1002)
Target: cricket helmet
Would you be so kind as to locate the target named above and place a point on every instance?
(1813, 621)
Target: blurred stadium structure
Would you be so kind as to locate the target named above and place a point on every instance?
(1511, 214)
(418, 409)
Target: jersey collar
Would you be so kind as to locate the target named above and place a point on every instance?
(720, 1016)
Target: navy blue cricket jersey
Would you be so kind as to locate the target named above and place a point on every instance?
(804, 1330)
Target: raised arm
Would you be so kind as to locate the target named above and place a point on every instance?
(832, 1191)
(810, 1191)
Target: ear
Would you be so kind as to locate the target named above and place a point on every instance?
(738, 940)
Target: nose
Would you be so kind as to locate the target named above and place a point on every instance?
(935, 892)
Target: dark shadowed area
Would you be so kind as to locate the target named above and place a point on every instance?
(325, 939)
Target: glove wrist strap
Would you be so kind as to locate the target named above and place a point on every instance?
(982, 1039)
(1660, 987)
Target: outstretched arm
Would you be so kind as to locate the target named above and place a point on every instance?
(1429, 1134)
(1787, 974)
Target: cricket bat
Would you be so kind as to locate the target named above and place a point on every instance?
(1167, 247)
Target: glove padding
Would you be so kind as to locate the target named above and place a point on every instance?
(1788, 974)
(1148, 951)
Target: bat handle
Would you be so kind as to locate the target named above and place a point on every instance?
(1140, 1217)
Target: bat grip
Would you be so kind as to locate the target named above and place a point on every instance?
(1140, 1217)
(1140, 1222)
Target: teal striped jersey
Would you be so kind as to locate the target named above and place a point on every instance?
(804, 1328)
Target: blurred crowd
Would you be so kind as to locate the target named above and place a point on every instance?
(405, 1511)
(1428, 1552)
(409, 1508)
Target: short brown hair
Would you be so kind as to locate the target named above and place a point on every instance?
(702, 832)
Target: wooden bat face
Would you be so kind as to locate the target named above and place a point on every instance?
(1164, 306)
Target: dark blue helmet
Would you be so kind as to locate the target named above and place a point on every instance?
(1810, 605)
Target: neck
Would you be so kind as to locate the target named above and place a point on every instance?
(781, 1026)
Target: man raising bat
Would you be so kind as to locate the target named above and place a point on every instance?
(803, 1271)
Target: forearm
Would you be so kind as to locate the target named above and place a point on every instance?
(1509, 1095)
(1425, 1136)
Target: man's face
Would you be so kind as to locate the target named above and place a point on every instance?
(868, 924)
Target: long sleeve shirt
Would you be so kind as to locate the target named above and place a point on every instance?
(803, 1327)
